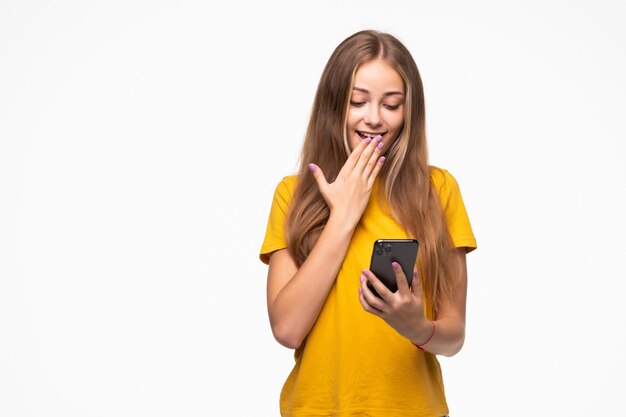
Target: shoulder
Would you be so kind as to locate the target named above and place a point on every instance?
(290, 181)
(285, 188)
(445, 184)
(287, 184)
(442, 179)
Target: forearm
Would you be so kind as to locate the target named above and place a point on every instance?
(450, 325)
(447, 339)
(296, 307)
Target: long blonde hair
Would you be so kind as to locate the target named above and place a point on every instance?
(405, 177)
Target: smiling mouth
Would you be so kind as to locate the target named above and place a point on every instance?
(365, 135)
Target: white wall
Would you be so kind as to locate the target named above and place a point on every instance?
(140, 143)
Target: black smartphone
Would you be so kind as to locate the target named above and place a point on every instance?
(386, 251)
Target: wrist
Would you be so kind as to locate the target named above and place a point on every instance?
(341, 221)
(425, 335)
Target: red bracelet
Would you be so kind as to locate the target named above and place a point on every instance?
(429, 337)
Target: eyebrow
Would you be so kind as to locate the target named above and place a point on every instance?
(389, 93)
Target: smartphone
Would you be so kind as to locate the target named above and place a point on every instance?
(386, 251)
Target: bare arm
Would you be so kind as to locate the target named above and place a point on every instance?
(450, 324)
(295, 296)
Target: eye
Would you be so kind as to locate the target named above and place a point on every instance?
(357, 103)
(392, 107)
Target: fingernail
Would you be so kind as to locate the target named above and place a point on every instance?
(362, 278)
(360, 291)
(395, 265)
(380, 145)
(312, 167)
(364, 272)
(378, 138)
(367, 140)
(382, 159)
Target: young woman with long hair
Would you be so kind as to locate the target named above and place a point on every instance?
(364, 176)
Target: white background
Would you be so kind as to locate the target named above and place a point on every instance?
(140, 144)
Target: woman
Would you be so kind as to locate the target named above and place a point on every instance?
(365, 176)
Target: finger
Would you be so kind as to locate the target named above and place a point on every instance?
(374, 157)
(366, 306)
(416, 286)
(367, 154)
(372, 161)
(380, 288)
(354, 157)
(403, 285)
(375, 171)
(372, 300)
(318, 174)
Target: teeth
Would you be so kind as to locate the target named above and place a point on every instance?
(368, 135)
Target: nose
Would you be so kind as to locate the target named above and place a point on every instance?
(372, 117)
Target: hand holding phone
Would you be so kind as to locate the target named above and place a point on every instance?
(386, 251)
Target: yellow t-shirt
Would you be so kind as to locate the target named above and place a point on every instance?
(352, 363)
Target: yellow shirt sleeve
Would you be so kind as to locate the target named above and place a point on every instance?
(454, 209)
(275, 233)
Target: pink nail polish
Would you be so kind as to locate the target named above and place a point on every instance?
(378, 138)
(380, 145)
(367, 140)
(395, 265)
(312, 167)
(382, 159)
(362, 278)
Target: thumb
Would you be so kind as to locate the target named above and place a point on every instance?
(318, 174)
